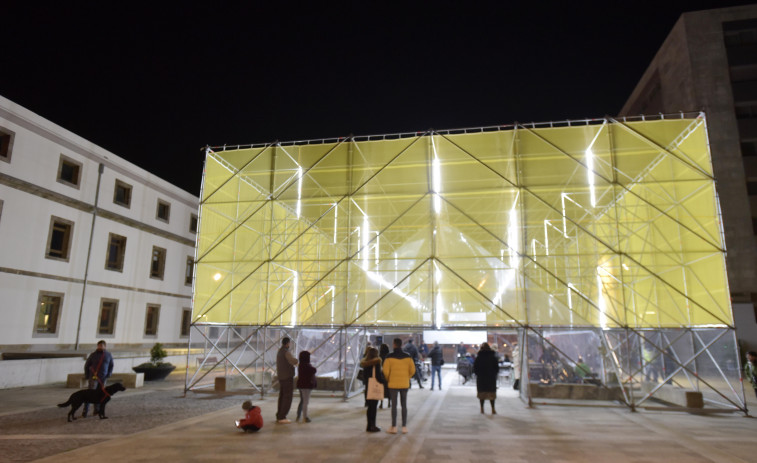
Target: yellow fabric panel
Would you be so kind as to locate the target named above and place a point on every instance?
(609, 224)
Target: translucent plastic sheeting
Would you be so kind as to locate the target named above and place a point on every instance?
(600, 225)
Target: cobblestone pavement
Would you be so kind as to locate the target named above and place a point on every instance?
(40, 428)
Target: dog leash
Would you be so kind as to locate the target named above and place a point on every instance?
(102, 385)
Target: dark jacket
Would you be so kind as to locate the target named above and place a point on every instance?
(101, 359)
(305, 372)
(436, 356)
(486, 368)
(285, 363)
(369, 366)
(412, 351)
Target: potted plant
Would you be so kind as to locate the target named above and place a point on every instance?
(155, 369)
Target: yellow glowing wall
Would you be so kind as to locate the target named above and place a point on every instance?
(609, 224)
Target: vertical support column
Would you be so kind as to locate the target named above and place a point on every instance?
(632, 379)
(430, 172)
(269, 237)
(348, 262)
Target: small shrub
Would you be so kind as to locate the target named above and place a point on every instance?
(157, 354)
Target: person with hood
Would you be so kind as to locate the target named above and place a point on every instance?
(399, 369)
(486, 368)
(437, 360)
(285, 363)
(305, 383)
(371, 365)
(97, 370)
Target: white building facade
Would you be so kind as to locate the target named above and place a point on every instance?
(91, 246)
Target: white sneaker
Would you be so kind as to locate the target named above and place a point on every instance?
(284, 421)
(392, 430)
(404, 429)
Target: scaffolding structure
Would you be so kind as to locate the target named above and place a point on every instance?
(598, 242)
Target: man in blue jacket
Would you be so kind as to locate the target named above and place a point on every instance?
(97, 369)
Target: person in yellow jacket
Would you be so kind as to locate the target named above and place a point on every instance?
(399, 368)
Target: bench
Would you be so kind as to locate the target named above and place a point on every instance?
(129, 380)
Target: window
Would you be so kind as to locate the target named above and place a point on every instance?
(59, 239)
(151, 319)
(186, 321)
(751, 187)
(1, 209)
(122, 194)
(48, 313)
(157, 263)
(749, 148)
(193, 223)
(6, 144)
(189, 270)
(116, 251)
(164, 211)
(108, 310)
(69, 171)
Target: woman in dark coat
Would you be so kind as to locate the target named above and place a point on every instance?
(486, 368)
(371, 364)
(383, 352)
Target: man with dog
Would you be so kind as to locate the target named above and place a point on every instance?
(97, 369)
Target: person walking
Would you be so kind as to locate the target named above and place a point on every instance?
(398, 370)
(486, 368)
(97, 370)
(437, 360)
(412, 351)
(371, 365)
(305, 383)
(285, 363)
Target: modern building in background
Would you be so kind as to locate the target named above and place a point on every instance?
(709, 62)
(91, 246)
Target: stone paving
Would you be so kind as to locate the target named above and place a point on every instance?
(158, 424)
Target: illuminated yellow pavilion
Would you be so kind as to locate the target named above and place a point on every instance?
(606, 225)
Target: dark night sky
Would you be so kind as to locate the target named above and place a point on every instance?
(155, 82)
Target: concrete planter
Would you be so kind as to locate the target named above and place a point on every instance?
(155, 372)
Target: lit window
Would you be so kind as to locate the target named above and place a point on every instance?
(151, 320)
(116, 252)
(59, 239)
(108, 311)
(164, 211)
(122, 194)
(69, 171)
(48, 313)
(157, 262)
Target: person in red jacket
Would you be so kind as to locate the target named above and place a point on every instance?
(253, 420)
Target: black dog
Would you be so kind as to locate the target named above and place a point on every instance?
(93, 396)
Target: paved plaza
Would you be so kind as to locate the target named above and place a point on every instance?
(156, 423)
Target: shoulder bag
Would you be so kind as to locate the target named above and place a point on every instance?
(375, 390)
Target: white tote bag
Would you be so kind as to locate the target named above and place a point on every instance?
(375, 389)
